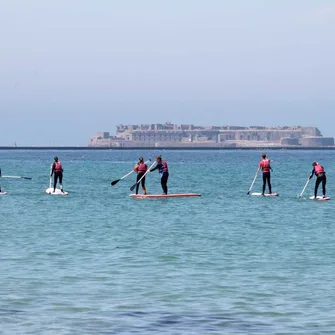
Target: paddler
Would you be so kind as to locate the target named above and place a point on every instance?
(140, 168)
(163, 171)
(57, 171)
(320, 173)
(265, 166)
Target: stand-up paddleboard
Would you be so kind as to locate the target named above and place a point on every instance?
(3, 193)
(155, 196)
(57, 191)
(50, 190)
(320, 198)
(265, 194)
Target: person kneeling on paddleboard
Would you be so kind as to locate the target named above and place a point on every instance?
(57, 171)
(266, 167)
(141, 168)
(320, 173)
(163, 171)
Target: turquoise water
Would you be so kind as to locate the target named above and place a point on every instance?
(100, 262)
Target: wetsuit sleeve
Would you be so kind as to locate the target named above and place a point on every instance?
(156, 167)
(53, 168)
(312, 174)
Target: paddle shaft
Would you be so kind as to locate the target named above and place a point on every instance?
(133, 187)
(129, 173)
(16, 177)
(253, 182)
(50, 176)
(303, 190)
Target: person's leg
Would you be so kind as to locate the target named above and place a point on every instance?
(269, 183)
(55, 180)
(324, 182)
(317, 183)
(143, 186)
(164, 180)
(264, 183)
(60, 176)
(139, 175)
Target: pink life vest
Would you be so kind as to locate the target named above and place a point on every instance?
(142, 168)
(58, 167)
(318, 169)
(265, 165)
(164, 167)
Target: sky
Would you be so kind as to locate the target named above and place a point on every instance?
(69, 69)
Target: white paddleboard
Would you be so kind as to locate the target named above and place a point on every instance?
(3, 193)
(266, 194)
(320, 198)
(57, 191)
(171, 195)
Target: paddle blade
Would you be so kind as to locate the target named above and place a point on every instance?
(115, 182)
(133, 187)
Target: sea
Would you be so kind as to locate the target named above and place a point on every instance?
(101, 262)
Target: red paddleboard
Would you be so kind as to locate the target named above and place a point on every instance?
(151, 196)
(267, 194)
(320, 198)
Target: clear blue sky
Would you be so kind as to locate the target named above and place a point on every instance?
(71, 68)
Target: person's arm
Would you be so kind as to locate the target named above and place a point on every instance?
(156, 167)
(53, 169)
(312, 174)
(270, 167)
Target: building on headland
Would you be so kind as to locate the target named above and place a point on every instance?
(188, 135)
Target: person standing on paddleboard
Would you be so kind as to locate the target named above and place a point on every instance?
(57, 171)
(141, 168)
(320, 173)
(265, 166)
(163, 171)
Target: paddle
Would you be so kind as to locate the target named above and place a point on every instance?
(117, 180)
(133, 187)
(50, 176)
(16, 177)
(253, 182)
(303, 190)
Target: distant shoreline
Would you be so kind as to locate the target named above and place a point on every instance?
(165, 148)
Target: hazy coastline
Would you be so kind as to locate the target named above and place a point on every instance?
(84, 148)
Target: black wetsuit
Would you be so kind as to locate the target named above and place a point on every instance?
(320, 178)
(58, 174)
(267, 179)
(266, 174)
(164, 176)
(141, 169)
